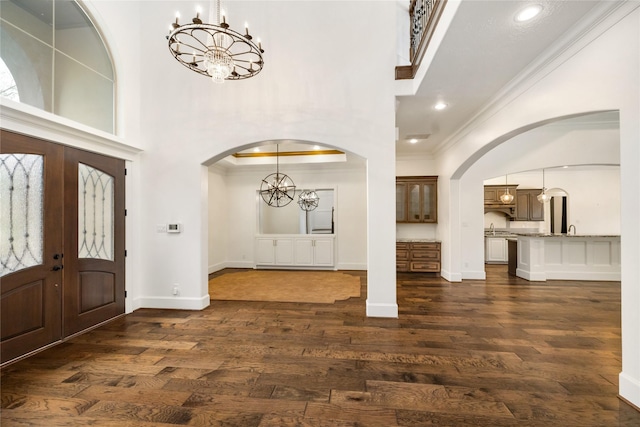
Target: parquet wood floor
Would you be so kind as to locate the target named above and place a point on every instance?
(500, 352)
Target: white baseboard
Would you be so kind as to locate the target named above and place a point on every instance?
(230, 264)
(382, 310)
(474, 275)
(629, 389)
(451, 277)
(351, 266)
(175, 303)
(531, 276)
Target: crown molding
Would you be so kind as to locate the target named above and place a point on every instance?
(605, 15)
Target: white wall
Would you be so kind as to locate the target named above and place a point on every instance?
(578, 81)
(307, 91)
(218, 219)
(241, 203)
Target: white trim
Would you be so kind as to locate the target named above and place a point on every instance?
(451, 277)
(474, 275)
(176, 303)
(28, 120)
(531, 276)
(351, 266)
(629, 388)
(382, 310)
(604, 16)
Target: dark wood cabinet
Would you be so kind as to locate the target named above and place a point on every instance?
(418, 257)
(417, 199)
(528, 208)
(492, 202)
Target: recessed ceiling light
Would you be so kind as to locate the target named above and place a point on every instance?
(256, 150)
(316, 147)
(440, 106)
(528, 13)
(413, 141)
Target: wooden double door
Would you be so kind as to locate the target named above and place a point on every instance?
(61, 242)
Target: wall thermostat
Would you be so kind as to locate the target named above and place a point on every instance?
(174, 228)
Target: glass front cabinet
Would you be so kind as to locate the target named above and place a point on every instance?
(417, 199)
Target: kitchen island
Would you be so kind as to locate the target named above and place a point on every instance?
(568, 257)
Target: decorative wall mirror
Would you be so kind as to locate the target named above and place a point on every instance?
(290, 219)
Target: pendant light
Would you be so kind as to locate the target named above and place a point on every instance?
(543, 197)
(277, 189)
(507, 197)
(308, 200)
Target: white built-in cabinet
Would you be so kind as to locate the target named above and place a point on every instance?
(496, 250)
(297, 251)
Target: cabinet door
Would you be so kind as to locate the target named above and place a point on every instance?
(429, 205)
(522, 206)
(303, 253)
(490, 196)
(401, 202)
(284, 251)
(265, 251)
(536, 209)
(414, 194)
(496, 249)
(323, 252)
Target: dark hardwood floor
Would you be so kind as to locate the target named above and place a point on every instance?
(500, 352)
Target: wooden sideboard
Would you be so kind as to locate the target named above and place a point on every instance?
(418, 256)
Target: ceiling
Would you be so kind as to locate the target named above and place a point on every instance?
(483, 50)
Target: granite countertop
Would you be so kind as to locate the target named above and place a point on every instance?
(564, 235)
(412, 240)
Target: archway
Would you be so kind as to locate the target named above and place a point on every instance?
(235, 209)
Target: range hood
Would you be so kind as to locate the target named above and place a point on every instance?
(508, 210)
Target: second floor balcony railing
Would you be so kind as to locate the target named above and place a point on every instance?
(424, 16)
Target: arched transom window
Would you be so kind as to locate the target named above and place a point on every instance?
(55, 60)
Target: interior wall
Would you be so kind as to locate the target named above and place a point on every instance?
(587, 64)
(218, 216)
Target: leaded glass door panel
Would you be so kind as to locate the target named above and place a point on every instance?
(31, 243)
(94, 239)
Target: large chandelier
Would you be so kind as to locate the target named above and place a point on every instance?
(277, 189)
(215, 50)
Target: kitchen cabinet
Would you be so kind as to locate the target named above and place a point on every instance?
(295, 251)
(492, 202)
(417, 199)
(418, 257)
(528, 208)
(496, 250)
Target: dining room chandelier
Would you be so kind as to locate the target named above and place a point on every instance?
(214, 49)
(277, 189)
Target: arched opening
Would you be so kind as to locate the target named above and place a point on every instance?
(238, 218)
(580, 154)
